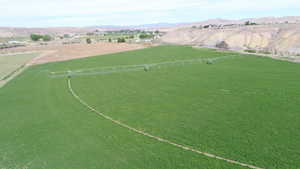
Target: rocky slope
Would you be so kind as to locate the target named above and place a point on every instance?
(281, 39)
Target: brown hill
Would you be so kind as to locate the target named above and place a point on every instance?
(279, 39)
(20, 32)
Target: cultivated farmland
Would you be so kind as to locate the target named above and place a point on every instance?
(12, 63)
(9, 63)
(238, 107)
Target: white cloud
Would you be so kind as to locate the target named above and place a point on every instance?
(89, 7)
(95, 11)
(85, 7)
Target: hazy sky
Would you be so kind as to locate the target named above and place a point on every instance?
(41, 13)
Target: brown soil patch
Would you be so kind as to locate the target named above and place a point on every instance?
(53, 53)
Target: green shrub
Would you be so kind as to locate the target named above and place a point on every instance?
(250, 23)
(121, 40)
(145, 36)
(46, 38)
(206, 26)
(36, 37)
(88, 41)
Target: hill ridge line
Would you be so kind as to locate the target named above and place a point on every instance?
(156, 137)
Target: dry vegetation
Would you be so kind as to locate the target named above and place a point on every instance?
(54, 53)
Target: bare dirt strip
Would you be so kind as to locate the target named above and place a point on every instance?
(59, 52)
(183, 147)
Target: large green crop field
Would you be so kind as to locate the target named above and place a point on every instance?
(243, 107)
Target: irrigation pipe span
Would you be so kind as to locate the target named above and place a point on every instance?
(130, 68)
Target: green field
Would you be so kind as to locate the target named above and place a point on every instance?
(244, 108)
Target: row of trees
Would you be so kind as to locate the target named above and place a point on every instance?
(250, 23)
(119, 40)
(145, 36)
(37, 37)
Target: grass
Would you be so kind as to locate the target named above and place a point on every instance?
(243, 108)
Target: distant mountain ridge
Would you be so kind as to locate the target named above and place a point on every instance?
(144, 26)
(263, 20)
(18, 31)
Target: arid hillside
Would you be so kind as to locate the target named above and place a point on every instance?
(281, 39)
(20, 32)
(277, 36)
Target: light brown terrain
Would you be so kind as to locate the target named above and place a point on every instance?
(263, 21)
(278, 39)
(24, 32)
(53, 53)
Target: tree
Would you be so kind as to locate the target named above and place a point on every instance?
(46, 38)
(145, 36)
(250, 23)
(36, 37)
(206, 26)
(121, 40)
(88, 41)
(109, 40)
